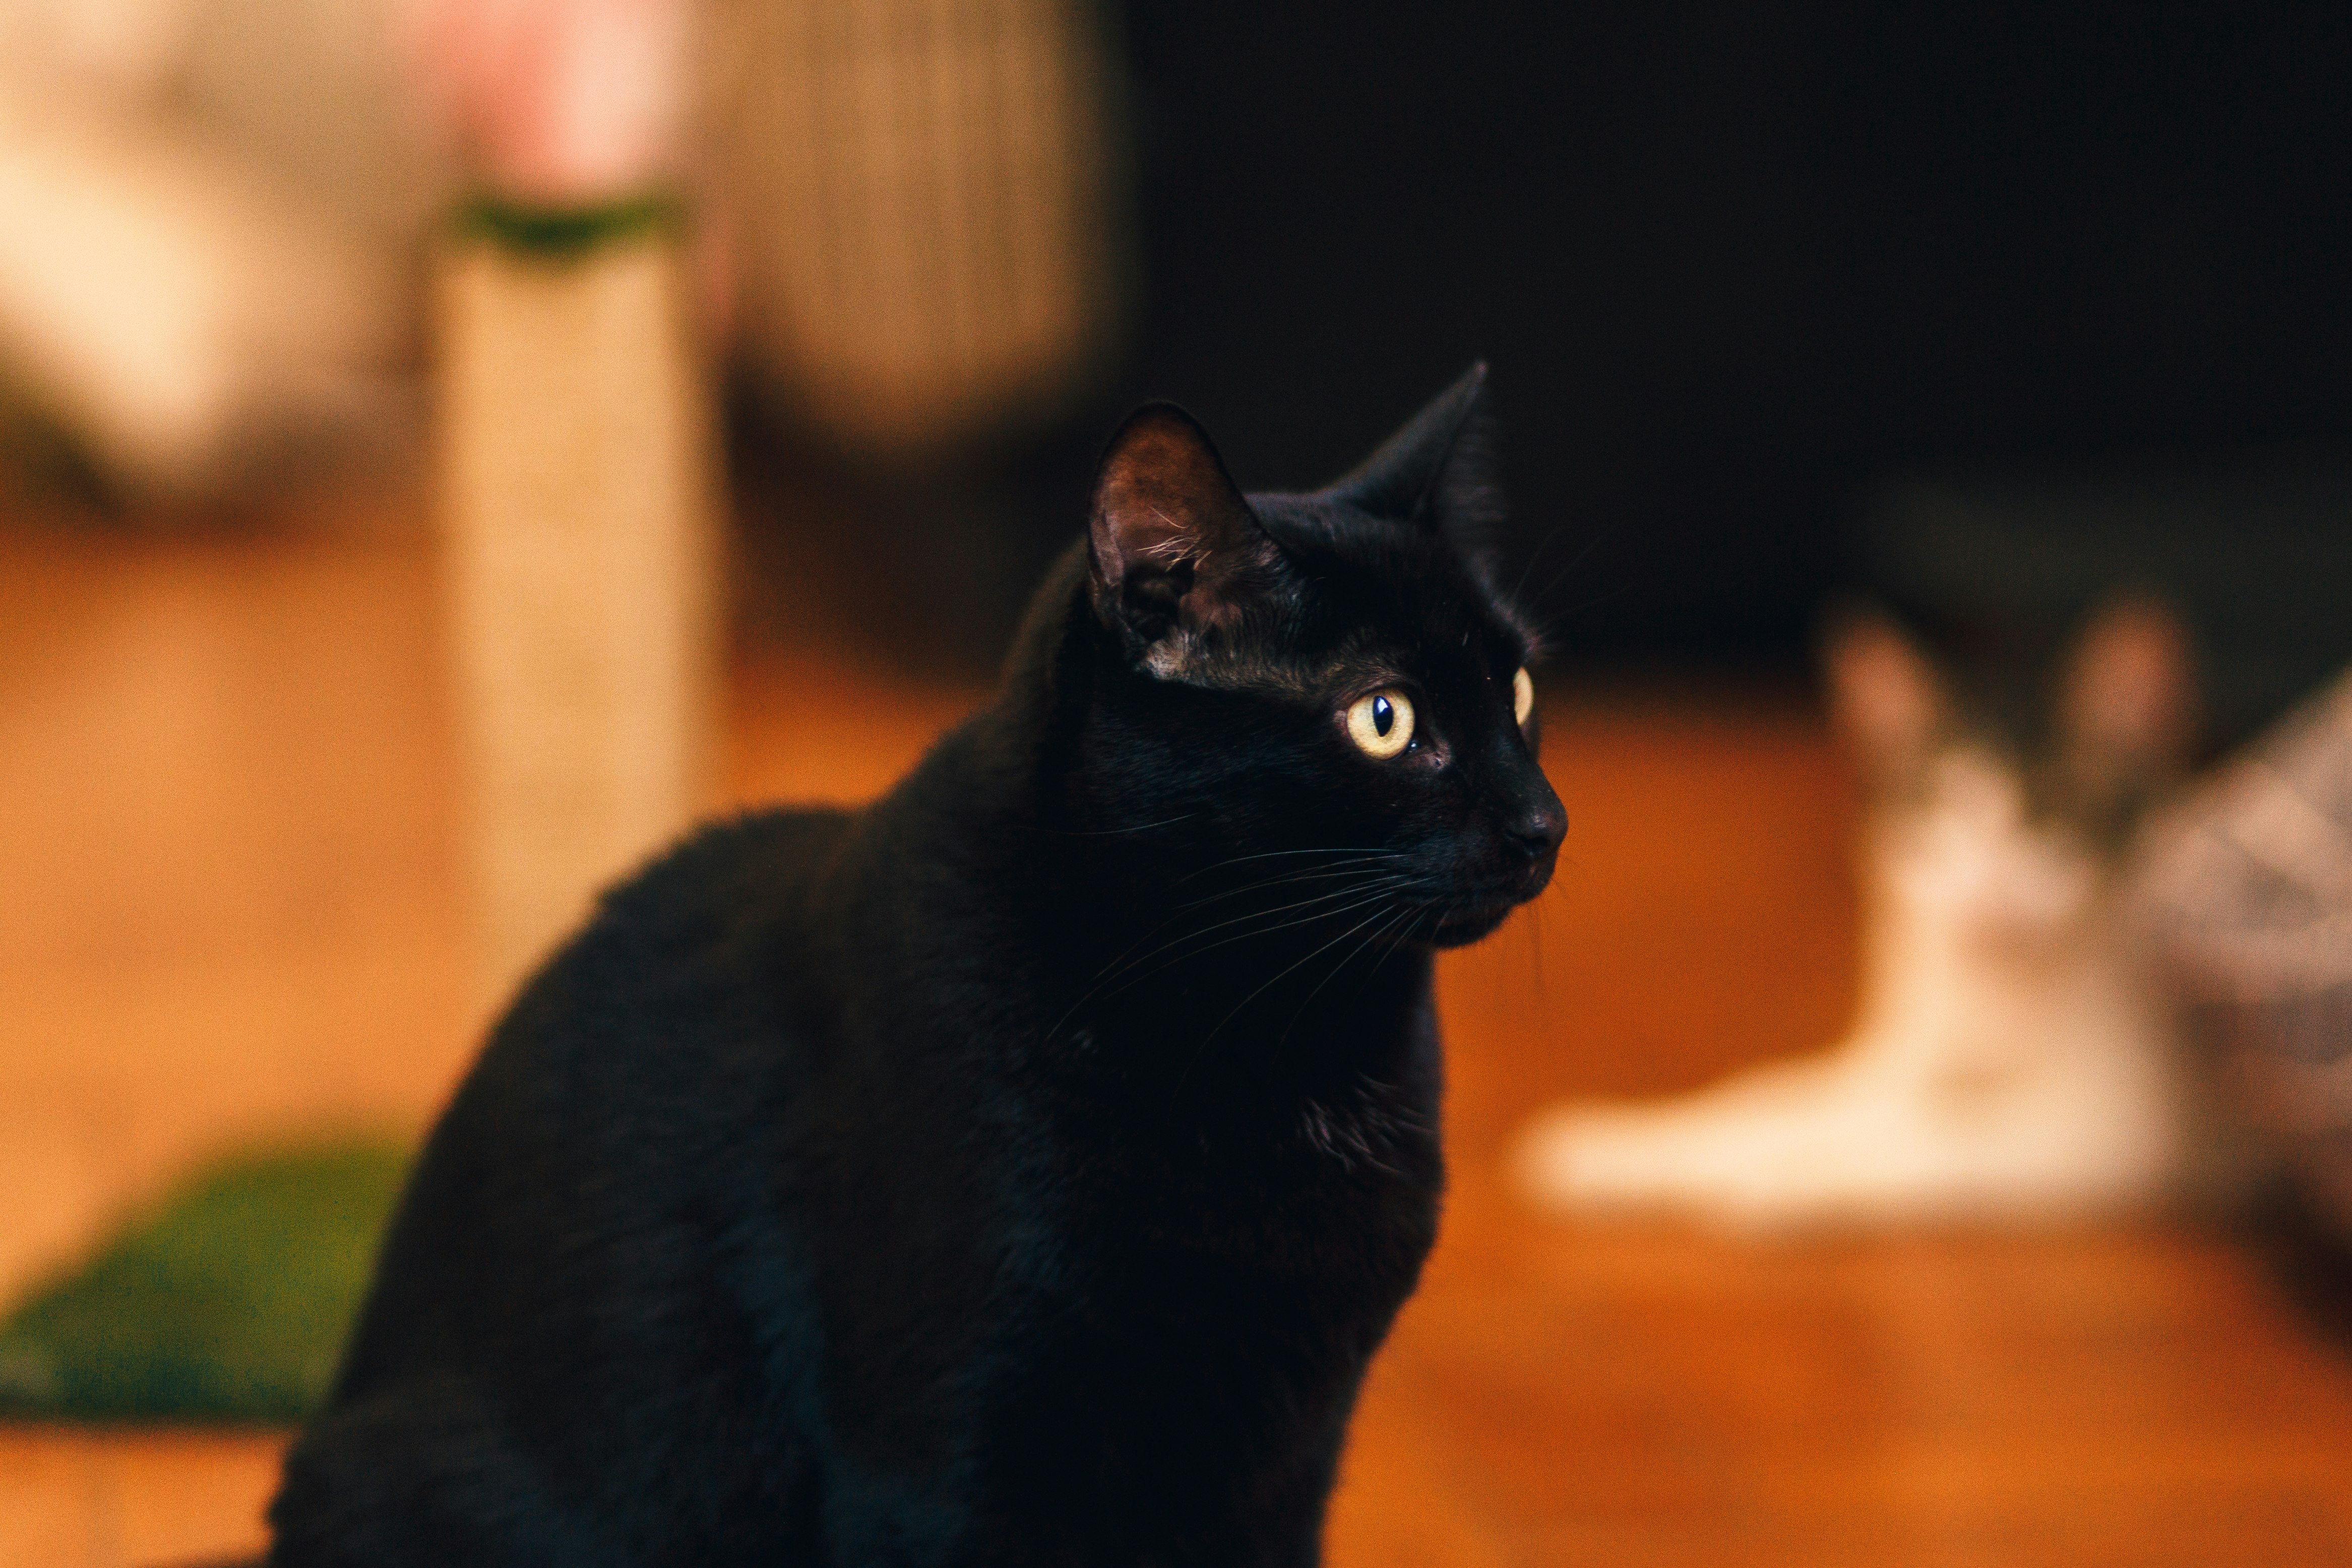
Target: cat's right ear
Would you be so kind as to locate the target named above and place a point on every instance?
(1172, 546)
(1884, 696)
(1438, 472)
(2127, 707)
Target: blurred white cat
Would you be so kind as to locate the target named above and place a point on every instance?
(2010, 1059)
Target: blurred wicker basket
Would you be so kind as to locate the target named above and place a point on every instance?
(919, 195)
(2249, 885)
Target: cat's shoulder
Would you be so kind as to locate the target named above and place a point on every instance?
(705, 913)
(709, 936)
(736, 864)
(764, 843)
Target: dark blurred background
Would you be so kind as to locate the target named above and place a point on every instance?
(1740, 268)
(1754, 280)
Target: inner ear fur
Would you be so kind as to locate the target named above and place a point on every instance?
(2127, 705)
(1172, 543)
(1885, 696)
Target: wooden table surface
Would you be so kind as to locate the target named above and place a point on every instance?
(227, 825)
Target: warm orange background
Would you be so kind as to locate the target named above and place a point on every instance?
(229, 846)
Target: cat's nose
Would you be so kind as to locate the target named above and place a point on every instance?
(1538, 831)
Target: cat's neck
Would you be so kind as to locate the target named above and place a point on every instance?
(1150, 943)
(1944, 974)
(1272, 971)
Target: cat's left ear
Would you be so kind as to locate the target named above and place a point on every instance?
(1173, 548)
(1438, 472)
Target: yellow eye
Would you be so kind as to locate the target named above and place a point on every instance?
(1523, 696)
(1382, 723)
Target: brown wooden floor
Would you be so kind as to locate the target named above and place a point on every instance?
(226, 832)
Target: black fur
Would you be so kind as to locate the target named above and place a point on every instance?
(1021, 1170)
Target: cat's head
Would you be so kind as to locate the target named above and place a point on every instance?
(2009, 803)
(1323, 674)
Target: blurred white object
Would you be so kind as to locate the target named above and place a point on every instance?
(2249, 883)
(173, 313)
(2010, 1059)
(207, 215)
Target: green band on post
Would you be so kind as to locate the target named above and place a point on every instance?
(566, 231)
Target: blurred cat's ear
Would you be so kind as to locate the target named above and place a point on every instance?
(1885, 694)
(1172, 543)
(2127, 703)
(1438, 471)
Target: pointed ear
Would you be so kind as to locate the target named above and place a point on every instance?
(2127, 707)
(1172, 545)
(1884, 696)
(1439, 471)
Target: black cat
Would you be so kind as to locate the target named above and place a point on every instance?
(1024, 1169)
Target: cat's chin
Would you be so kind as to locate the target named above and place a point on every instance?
(1462, 927)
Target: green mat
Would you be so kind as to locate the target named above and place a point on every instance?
(230, 1304)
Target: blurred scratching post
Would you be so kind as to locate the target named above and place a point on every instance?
(577, 478)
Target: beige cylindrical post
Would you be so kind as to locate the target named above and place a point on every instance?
(577, 469)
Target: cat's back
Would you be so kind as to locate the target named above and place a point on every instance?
(559, 1300)
(709, 951)
(625, 1089)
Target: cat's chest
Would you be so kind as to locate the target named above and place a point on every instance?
(1271, 1181)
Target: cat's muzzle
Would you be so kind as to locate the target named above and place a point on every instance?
(1476, 909)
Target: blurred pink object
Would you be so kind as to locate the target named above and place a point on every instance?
(559, 102)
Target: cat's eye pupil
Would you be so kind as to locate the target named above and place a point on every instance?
(1381, 724)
